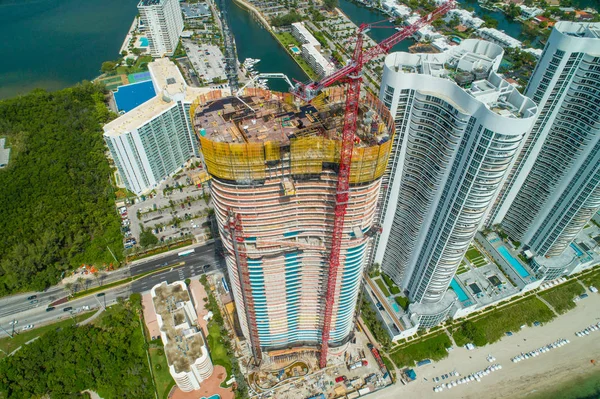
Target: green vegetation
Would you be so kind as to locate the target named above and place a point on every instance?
(433, 348)
(462, 268)
(475, 257)
(160, 370)
(382, 287)
(402, 301)
(491, 326)
(219, 344)
(390, 283)
(330, 4)
(7, 345)
(374, 325)
(147, 239)
(561, 297)
(107, 357)
(592, 279)
(287, 19)
(57, 201)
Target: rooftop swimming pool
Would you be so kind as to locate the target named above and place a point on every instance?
(130, 96)
(462, 295)
(513, 262)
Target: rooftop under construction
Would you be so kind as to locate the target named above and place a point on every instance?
(242, 137)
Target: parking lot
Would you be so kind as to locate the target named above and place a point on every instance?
(207, 60)
(178, 207)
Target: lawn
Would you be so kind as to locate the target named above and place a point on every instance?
(382, 287)
(7, 345)
(162, 376)
(433, 348)
(463, 268)
(494, 324)
(475, 257)
(286, 39)
(390, 283)
(561, 297)
(218, 351)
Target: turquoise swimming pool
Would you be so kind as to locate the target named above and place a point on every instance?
(144, 41)
(396, 307)
(513, 262)
(295, 50)
(462, 295)
(215, 396)
(576, 249)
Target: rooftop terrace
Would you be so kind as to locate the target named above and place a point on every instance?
(184, 342)
(472, 66)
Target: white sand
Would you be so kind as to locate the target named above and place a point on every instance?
(516, 380)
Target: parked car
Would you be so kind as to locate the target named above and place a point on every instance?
(341, 378)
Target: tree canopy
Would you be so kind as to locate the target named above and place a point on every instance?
(286, 19)
(109, 359)
(56, 197)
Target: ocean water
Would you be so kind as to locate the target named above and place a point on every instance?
(53, 44)
(580, 387)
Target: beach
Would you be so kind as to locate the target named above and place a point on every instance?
(529, 378)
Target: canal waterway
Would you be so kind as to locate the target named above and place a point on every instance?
(53, 44)
(254, 41)
(360, 14)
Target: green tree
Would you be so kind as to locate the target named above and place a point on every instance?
(108, 66)
(147, 239)
(57, 200)
(136, 51)
(130, 62)
(330, 4)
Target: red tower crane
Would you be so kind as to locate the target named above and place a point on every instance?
(352, 75)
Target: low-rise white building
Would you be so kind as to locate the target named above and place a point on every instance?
(530, 12)
(316, 60)
(466, 18)
(4, 153)
(304, 36)
(187, 354)
(396, 10)
(498, 37)
(311, 50)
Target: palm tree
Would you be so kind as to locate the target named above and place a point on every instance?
(69, 287)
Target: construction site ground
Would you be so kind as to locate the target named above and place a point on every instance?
(323, 381)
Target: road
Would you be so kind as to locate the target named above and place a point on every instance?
(17, 307)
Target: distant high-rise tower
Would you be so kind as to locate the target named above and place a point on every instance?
(459, 126)
(274, 171)
(164, 23)
(554, 187)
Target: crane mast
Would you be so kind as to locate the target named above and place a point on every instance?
(351, 74)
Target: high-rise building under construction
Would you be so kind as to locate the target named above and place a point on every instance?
(274, 166)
